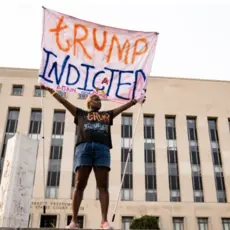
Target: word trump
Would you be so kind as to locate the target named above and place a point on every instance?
(126, 51)
(81, 56)
(98, 117)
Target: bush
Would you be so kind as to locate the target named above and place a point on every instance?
(145, 222)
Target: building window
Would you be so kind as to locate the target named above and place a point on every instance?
(55, 155)
(127, 186)
(217, 161)
(48, 221)
(202, 223)
(17, 90)
(126, 136)
(58, 124)
(126, 126)
(62, 93)
(38, 91)
(82, 96)
(174, 184)
(35, 124)
(126, 222)
(170, 128)
(178, 223)
(226, 223)
(195, 160)
(11, 128)
(80, 220)
(150, 162)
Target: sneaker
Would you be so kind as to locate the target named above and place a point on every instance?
(106, 225)
(73, 225)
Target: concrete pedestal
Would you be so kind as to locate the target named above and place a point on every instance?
(17, 181)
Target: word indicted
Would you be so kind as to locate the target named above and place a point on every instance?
(85, 78)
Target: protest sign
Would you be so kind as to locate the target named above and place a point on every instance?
(84, 57)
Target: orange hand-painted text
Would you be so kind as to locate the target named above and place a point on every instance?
(126, 52)
(105, 117)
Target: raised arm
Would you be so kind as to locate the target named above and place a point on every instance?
(124, 107)
(72, 109)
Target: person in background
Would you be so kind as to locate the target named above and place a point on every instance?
(92, 149)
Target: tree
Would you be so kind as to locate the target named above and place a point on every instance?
(145, 222)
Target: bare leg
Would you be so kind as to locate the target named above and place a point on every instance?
(82, 176)
(102, 178)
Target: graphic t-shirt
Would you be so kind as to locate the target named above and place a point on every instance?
(94, 126)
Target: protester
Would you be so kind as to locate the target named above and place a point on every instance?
(92, 149)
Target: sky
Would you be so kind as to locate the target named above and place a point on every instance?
(194, 36)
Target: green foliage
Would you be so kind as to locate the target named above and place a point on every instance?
(145, 222)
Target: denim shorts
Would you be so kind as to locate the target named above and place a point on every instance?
(92, 154)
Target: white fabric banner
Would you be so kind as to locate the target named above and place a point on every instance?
(84, 57)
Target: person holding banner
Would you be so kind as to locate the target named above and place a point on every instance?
(92, 149)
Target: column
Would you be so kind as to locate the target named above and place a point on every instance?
(65, 187)
(39, 181)
(24, 120)
(138, 159)
(207, 170)
(161, 159)
(184, 165)
(115, 173)
(166, 220)
(215, 222)
(224, 142)
(190, 221)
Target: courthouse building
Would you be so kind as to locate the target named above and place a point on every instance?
(179, 167)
